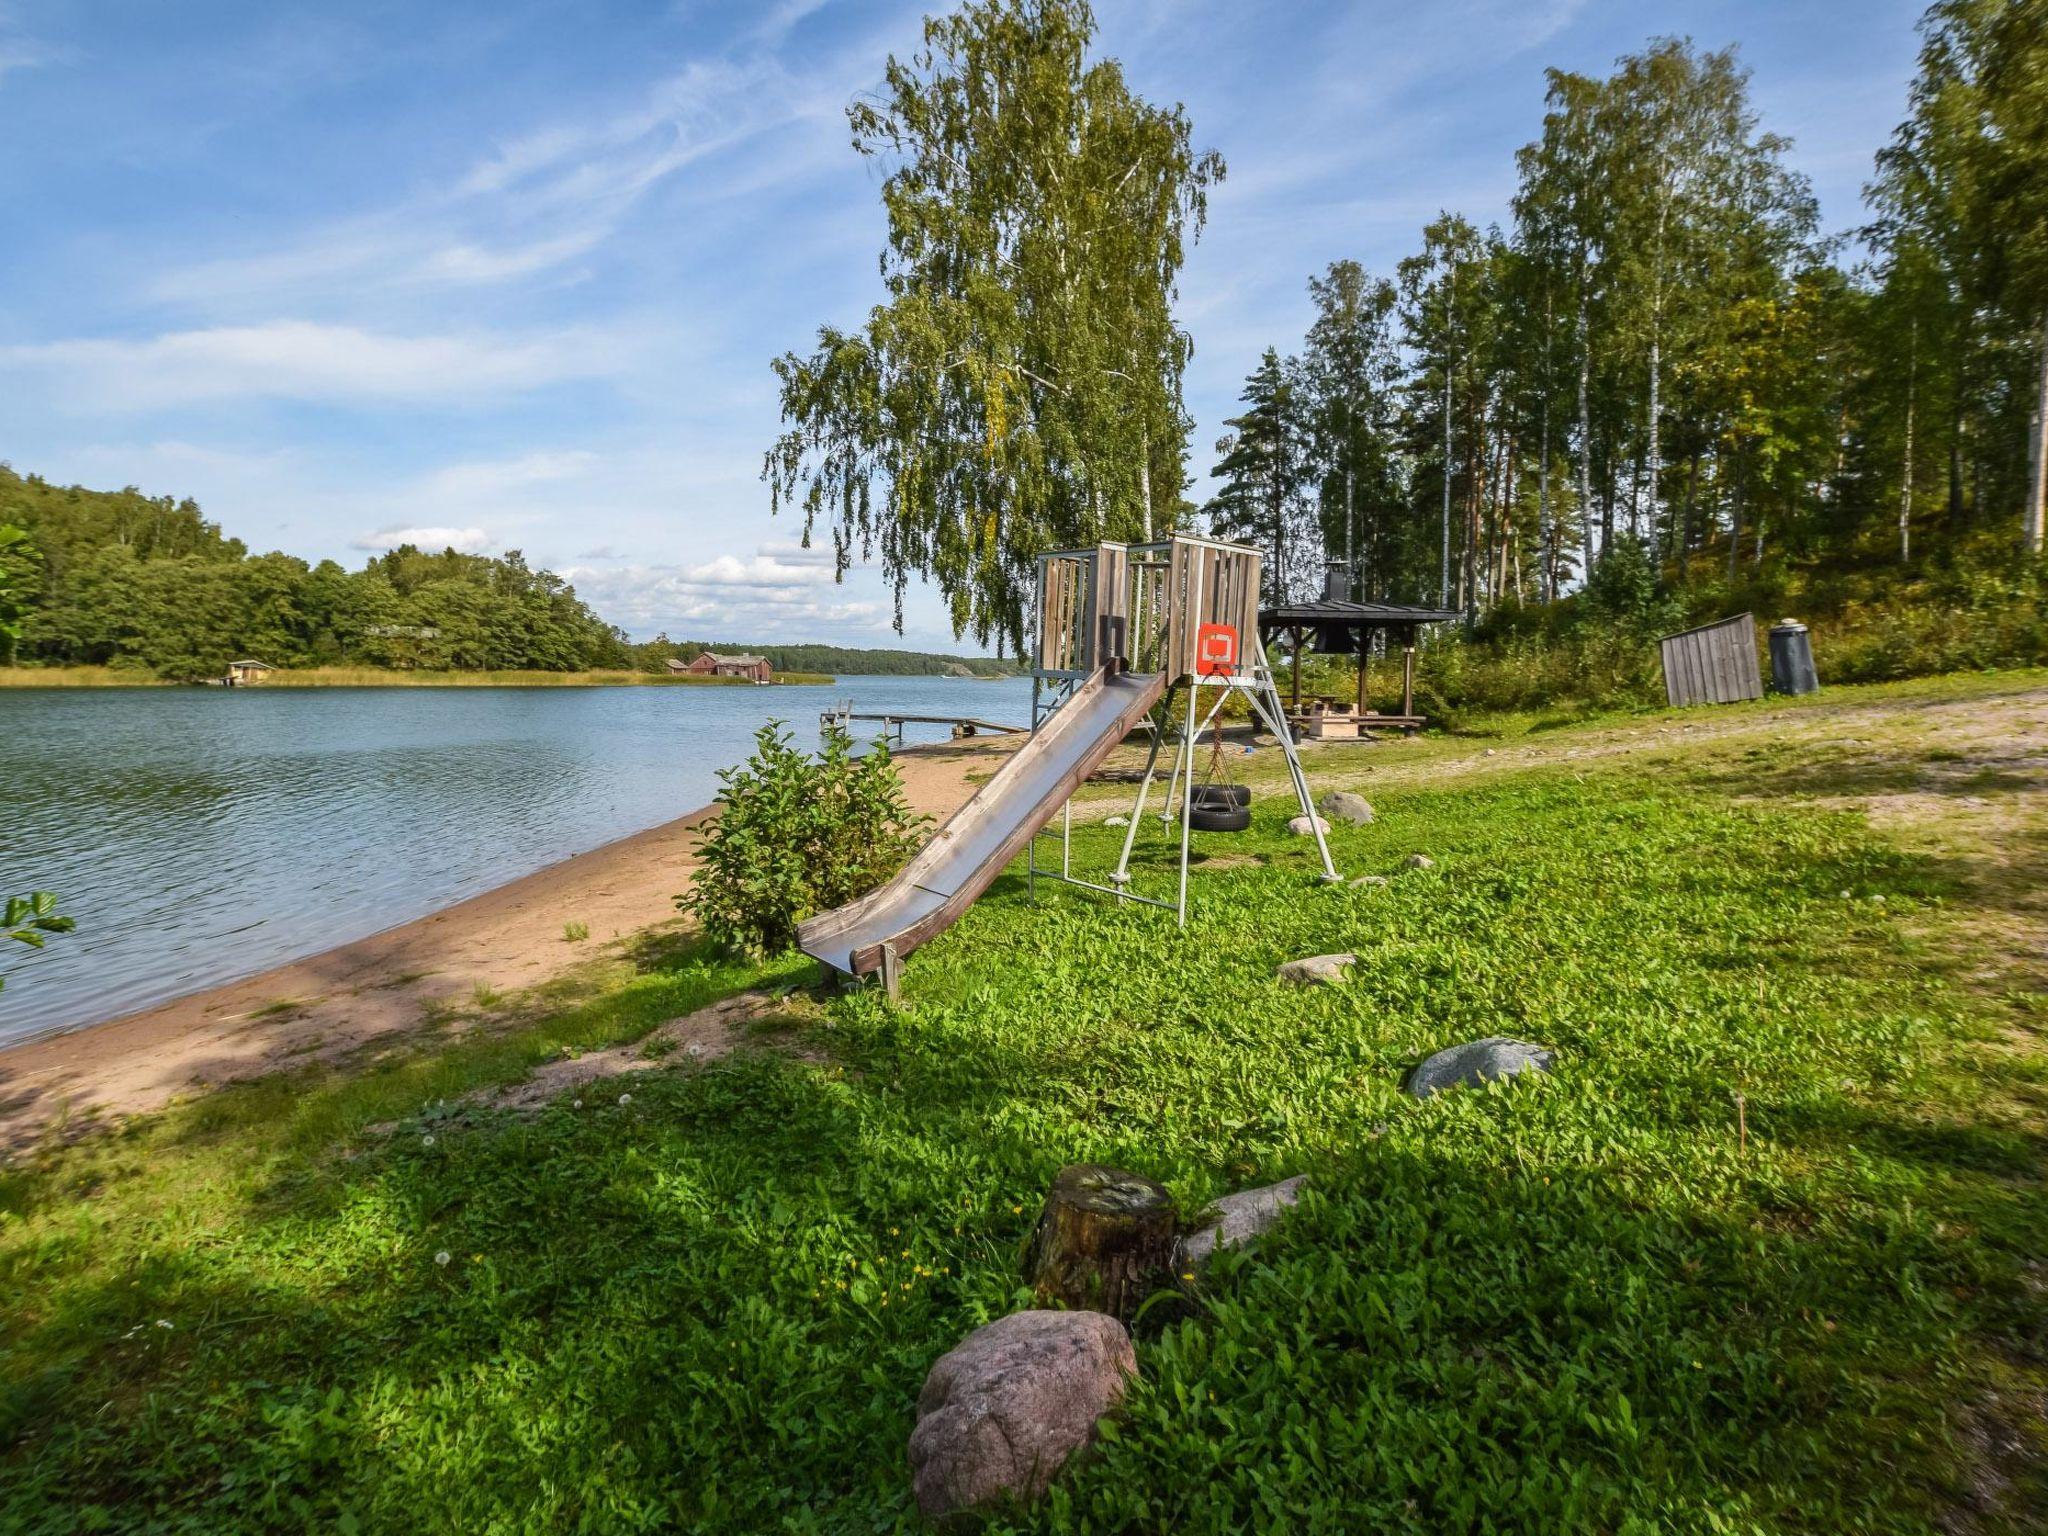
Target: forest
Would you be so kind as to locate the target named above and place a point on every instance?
(1661, 362)
(1663, 347)
(117, 578)
(127, 580)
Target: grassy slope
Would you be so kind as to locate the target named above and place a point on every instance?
(1579, 1304)
(384, 677)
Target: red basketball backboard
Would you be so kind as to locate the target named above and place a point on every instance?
(1216, 650)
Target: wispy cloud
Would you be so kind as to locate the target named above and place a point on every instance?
(302, 360)
(20, 51)
(530, 207)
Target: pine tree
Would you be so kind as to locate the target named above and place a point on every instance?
(1262, 465)
(1348, 372)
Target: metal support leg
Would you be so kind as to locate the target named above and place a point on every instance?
(1166, 812)
(1031, 848)
(1123, 864)
(1187, 804)
(1275, 717)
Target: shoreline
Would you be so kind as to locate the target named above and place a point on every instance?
(394, 983)
(31, 679)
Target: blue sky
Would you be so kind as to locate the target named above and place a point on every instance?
(512, 272)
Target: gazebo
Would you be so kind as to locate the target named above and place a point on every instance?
(1333, 625)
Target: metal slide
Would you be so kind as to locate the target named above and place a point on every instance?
(981, 838)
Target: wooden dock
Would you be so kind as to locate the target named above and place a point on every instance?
(844, 716)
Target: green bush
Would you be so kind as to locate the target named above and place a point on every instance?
(31, 919)
(798, 835)
(1872, 621)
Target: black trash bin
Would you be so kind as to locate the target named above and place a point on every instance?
(1792, 658)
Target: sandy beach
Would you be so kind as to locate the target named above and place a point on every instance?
(383, 987)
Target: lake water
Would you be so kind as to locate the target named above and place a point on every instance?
(199, 835)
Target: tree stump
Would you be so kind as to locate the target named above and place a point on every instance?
(1104, 1240)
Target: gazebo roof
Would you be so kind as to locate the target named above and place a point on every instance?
(1356, 615)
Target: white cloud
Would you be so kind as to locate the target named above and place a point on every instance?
(763, 570)
(648, 598)
(303, 360)
(469, 541)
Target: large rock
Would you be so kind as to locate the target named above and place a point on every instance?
(1316, 970)
(1000, 1415)
(1342, 805)
(1476, 1063)
(1418, 861)
(1240, 1219)
(1371, 882)
(1303, 826)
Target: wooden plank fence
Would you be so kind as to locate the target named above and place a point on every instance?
(1714, 664)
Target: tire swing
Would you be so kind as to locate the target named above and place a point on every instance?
(1214, 807)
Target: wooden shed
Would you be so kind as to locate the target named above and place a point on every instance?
(1714, 664)
(247, 673)
(716, 664)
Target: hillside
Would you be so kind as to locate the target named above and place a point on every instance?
(149, 587)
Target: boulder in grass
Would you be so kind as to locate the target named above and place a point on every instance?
(1370, 882)
(1418, 861)
(1240, 1220)
(1116, 821)
(1000, 1414)
(1474, 1064)
(1342, 805)
(1316, 970)
(1304, 826)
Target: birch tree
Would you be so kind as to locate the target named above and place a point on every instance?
(1020, 389)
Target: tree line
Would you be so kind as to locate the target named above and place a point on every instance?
(123, 579)
(1659, 352)
(100, 578)
(839, 659)
(1662, 348)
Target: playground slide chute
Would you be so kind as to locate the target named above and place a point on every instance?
(981, 838)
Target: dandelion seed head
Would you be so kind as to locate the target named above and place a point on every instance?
(625, 1098)
(443, 1257)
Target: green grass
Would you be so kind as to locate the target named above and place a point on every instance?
(1576, 1304)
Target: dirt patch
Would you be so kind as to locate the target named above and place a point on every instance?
(2001, 1438)
(691, 1040)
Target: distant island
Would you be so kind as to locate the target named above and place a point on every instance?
(118, 588)
(841, 659)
